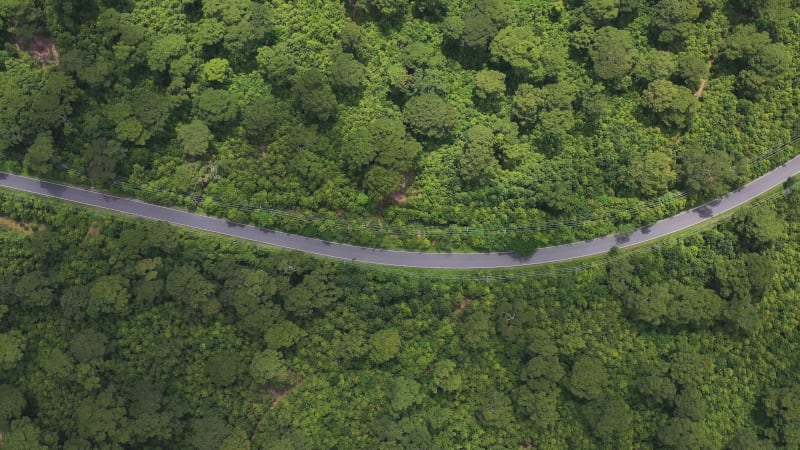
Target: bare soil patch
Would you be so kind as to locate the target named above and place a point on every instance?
(94, 230)
(702, 88)
(464, 303)
(704, 81)
(399, 196)
(277, 396)
(41, 47)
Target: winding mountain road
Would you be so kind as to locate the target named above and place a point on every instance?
(544, 255)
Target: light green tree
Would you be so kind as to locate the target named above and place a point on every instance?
(268, 367)
(194, 137)
(384, 345)
(674, 105)
(216, 70)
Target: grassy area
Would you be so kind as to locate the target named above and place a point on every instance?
(20, 227)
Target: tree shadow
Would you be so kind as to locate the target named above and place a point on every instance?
(706, 211)
(53, 189)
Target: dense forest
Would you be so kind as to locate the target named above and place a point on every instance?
(121, 333)
(409, 115)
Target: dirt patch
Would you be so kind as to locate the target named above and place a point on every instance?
(464, 303)
(277, 396)
(94, 230)
(702, 88)
(24, 228)
(704, 81)
(42, 48)
(399, 196)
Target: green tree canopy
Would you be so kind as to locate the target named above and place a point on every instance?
(428, 115)
(194, 137)
(314, 95)
(13, 402)
(268, 367)
(40, 155)
(708, 173)
(674, 105)
(588, 378)
(87, 345)
(612, 53)
(478, 161)
(384, 345)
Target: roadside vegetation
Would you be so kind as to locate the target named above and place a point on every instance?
(117, 332)
(488, 115)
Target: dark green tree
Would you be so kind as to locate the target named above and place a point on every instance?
(588, 378)
(194, 137)
(708, 173)
(348, 75)
(223, 369)
(314, 96)
(428, 115)
(612, 53)
(268, 367)
(87, 345)
(13, 403)
(682, 433)
(674, 105)
(208, 432)
(40, 156)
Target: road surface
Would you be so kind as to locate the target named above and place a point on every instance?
(544, 255)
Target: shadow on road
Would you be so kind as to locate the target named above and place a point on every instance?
(622, 239)
(234, 224)
(3, 176)
(520, 259)
(53, 189)
(706, 211)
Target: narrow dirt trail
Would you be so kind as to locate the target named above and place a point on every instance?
(704, 81)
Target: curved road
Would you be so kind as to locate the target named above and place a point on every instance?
(544, 255)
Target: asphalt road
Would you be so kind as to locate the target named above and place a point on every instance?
(402, 258)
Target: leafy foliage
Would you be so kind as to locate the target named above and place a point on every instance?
(132, 333)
